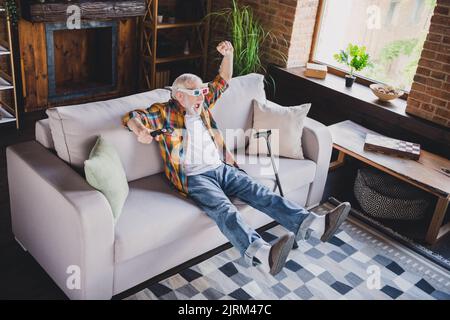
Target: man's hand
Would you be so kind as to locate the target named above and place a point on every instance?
(143, 136)
(142, 133)
(225, 48)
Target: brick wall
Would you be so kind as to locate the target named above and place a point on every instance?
(430, 93)
(290, 21)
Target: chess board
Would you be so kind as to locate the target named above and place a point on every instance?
(391, 146)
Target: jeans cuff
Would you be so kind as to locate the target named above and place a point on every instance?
(251, 250)
(304, 226)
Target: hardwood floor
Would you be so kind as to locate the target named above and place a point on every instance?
(21, 277)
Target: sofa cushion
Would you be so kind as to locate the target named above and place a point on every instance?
(293, 173)
(155, 215)
(76, 128)
(43, 133)
(233, 111)
(138, 159)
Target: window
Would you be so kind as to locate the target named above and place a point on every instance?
(391, 12)
(417, 12)
(393, 32)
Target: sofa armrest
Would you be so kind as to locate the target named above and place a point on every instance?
(62, 221)
(317, 146)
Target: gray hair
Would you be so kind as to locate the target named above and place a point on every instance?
(183, 81)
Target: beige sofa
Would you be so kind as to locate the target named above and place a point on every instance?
(63, 222)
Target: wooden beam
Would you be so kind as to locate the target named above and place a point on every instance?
(316, 30)
(434, 230)
(90, 10)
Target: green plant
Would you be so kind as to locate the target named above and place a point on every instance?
(354, 57)
(248, 37)
(11, 11)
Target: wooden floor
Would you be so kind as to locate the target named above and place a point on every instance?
(21, 277)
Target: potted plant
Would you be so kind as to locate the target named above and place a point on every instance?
(248, 36)
(354, 57)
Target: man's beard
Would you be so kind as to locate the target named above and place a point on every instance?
(190, 109)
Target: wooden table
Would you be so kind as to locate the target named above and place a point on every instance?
(348, 138)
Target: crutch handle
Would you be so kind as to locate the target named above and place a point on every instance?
(263, 134)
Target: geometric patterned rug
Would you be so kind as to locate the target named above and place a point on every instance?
(358, 263)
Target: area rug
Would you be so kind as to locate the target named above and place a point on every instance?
(358, 263)
(398, 237)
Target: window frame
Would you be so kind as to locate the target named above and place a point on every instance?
(332, 69)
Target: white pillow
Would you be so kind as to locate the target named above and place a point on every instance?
(233, 111)
(286, 124)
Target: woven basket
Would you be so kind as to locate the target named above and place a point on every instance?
(383, 196)
(384, 96)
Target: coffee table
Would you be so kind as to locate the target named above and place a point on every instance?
(348, 139)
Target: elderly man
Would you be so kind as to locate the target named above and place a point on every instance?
(199, 165)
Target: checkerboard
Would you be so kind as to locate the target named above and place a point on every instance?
(392, 146)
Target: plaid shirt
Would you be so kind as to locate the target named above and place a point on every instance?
(171, 114)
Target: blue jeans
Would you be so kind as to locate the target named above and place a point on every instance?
(211, 191)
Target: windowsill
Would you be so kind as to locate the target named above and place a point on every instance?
(334, 102)
(359, 79)
(363, 93)
(357, 91)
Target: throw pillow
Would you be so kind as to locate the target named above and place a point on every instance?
(105, 173)
(286, 124)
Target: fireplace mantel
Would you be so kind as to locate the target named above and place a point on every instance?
(90, 10)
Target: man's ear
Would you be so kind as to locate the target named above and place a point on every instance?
(179, 96)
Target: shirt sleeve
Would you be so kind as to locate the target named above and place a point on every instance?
(150, 117)
(216, 88)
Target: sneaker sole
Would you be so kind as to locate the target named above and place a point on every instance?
(342, 217)
(281, 261)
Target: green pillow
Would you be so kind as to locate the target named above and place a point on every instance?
(105, 173)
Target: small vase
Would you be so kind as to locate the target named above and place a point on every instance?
(349, 80)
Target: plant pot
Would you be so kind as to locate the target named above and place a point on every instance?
(349, 80)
